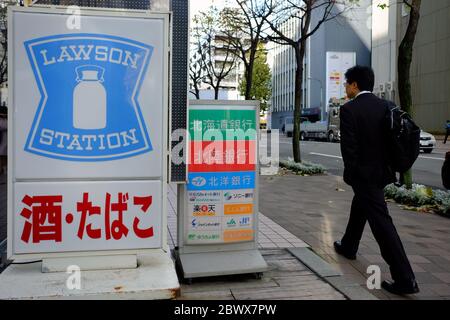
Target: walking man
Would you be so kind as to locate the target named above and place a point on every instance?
(367, 171)
(447, 131)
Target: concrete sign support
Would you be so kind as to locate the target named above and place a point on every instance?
(89, 149)
(218, 208)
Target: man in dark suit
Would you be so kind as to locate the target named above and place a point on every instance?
(366, 169)
(445, 172)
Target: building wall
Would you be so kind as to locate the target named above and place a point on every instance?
(283, 67)
(430, 70)
(350, 32)
(384, 48)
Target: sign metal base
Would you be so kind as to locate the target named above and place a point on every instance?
(196, 265)
(90, 263)
(154, 278)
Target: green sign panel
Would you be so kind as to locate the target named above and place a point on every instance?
(208, 125)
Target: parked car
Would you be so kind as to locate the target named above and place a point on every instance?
(427, 142)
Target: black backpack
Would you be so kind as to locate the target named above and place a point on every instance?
(403, 138)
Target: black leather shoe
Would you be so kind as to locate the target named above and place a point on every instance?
(340, 250)
(398, 288)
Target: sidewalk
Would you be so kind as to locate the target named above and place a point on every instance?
(297, 212)
(314, 211)
(441, 148)
(287, 279)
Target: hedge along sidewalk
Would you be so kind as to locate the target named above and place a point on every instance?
(302, 168)
(421, 197)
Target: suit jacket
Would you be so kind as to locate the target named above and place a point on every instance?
(446, 171)
(363, 142)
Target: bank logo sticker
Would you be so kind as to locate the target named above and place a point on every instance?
(205, 223)
(89, 86)
(237, 222)
(208, 181)
(205, 196)
(238, 195)
(237, 235)
(199, 210)
(198, 181)
(237, 209)
(204, 237)
(245, 222)
(231, 223)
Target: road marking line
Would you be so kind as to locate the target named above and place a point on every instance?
(337, 157)
(423, 157)
(325, 155)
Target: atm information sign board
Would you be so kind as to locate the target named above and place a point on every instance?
(222, 174)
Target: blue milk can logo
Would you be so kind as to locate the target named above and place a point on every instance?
(89, 85)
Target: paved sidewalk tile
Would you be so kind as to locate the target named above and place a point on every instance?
(286, 279)
(321, 216)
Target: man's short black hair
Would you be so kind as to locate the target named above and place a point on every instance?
(363, 76)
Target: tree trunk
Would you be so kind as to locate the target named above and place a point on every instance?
(196, 91)
(216, 93)
(248, 81)
(299, 55)
(249, 74)
(405, 53)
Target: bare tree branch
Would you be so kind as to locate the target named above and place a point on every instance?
(216, 58)
(302, 12)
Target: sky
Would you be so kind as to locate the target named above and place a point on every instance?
(198, 5)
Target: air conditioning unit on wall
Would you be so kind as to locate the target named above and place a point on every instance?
(388, 86)
(390, 90)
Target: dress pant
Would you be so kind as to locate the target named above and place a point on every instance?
(369, 205)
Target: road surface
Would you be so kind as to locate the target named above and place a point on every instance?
(426, 170)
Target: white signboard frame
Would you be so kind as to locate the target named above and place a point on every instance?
(210, 259)
(88, 175)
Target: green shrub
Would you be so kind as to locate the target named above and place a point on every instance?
(303, 168)
(420, 196)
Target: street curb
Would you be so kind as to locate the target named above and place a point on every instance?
(324, 270)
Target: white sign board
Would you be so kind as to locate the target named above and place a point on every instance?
(88, 148)
(80, 216)
(218, 207)
(222, 173)
(337, 64)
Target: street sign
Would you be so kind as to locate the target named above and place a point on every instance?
(222, 159)
(88, 152)
(218, 207)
